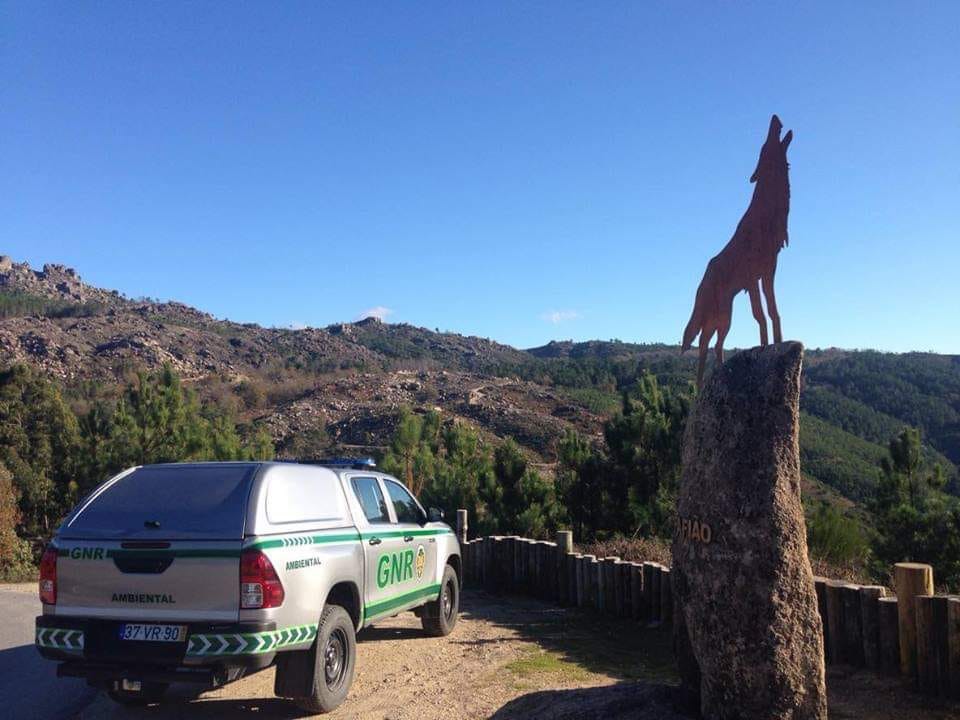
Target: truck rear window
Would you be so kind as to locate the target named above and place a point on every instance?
(202, 501)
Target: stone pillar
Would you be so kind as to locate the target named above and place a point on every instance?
(741, 578)
(820, 586)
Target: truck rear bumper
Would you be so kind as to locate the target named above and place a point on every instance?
(212, 654)
(105, 675)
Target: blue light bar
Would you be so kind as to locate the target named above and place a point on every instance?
(365, 462)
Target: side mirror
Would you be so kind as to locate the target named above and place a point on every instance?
(434, 515)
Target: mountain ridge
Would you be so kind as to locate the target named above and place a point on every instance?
(343, 385)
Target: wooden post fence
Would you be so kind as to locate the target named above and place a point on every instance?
(913, 633)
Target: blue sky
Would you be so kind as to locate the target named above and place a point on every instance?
(524, 172)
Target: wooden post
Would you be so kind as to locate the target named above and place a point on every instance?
(626, 590)
(926, 648)
(475, 561)
(835, 621)
(531, 564)
(499, 579)
(564, 547)
(910, 581)
(666, 596)
(889, 619)
(550, 569)
(820, 585)
(480, 560)
(582, 580)
(600, 585)
(540, 572)
(589, 581)
(870, 624)
(513, 567)
(517, 561)
(462, 525)
(655, 595)
(573, 563)
(636, 590)
(536, 586)
(647, 611)
(609, 586)
(504, 567)
(941, 644)
(491, 571)
(617, 587)
(853, 635)
(953, 646)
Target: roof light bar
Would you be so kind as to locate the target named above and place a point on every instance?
(358, 463)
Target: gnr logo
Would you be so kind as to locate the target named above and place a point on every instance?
(86, 553)
(394, 568)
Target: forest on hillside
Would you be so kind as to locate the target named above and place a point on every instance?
(56, 446)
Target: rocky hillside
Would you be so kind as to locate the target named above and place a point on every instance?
(343, 385)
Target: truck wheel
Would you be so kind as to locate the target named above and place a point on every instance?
(150, 692)
(334, 656)
(440, 616)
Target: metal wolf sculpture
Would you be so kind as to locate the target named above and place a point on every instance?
(750, 258)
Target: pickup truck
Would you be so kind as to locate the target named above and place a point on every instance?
(205, 572)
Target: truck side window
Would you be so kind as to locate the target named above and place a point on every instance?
(404, 505)
(367, 490)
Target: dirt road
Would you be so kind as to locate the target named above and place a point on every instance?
(500, 650)
(508, 659)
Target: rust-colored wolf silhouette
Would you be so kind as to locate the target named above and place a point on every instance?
(749, 258)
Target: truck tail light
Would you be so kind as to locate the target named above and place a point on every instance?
(260, 587)
(48, 576)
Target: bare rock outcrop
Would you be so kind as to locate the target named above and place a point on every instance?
(748, 634)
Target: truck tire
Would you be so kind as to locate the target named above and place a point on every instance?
(333, 658)
(440, 616)
(150, 692)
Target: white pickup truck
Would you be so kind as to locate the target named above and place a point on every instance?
(204, 572)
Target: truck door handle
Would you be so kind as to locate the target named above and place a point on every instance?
(408, 538)
(375, 541)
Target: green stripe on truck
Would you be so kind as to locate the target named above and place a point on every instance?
(296, 540)
(267, 543)
(207, 644)
(385, 606)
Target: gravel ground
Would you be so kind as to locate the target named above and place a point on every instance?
(512, 658)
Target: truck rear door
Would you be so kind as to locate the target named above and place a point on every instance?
(162, 542)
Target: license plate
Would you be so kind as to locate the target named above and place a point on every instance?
(153, 633)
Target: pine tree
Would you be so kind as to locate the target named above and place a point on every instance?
(39, 436)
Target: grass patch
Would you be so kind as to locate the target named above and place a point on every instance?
(541, 662)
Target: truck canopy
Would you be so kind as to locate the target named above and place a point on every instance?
(167, 502)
